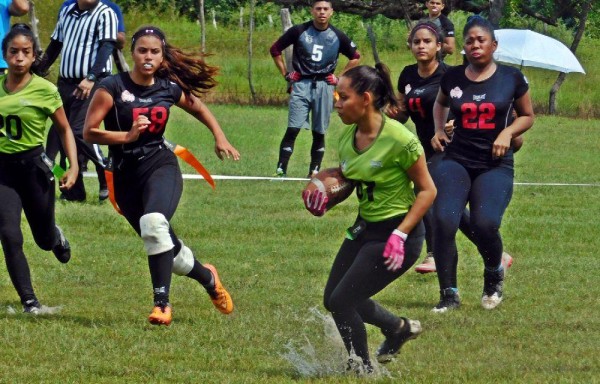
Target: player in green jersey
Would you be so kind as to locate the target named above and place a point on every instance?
(26, 178)
(386, 161)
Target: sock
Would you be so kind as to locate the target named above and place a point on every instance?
(160, 272)
(202, 275)
(286, 148)
(317, 151)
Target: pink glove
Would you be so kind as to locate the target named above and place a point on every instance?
(331, 79)
(394, 250)
(293, 76)
(315, 202)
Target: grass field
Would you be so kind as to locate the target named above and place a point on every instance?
(274, 257)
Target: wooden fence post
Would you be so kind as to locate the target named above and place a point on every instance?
(202, 27)
(250, 30)
(286, 22)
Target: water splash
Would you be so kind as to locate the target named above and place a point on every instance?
(45, 310)
(322, 353)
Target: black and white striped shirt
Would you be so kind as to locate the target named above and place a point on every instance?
(81, 32)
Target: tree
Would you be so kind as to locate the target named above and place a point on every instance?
(586, 6)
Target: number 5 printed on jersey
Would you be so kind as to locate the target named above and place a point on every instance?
(157, 116)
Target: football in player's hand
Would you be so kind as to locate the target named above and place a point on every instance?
(332, 182)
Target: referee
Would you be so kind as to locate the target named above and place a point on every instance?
(85, 37)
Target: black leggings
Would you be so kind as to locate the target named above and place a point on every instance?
(357, 274)
(488, 194)
(26, 184)
(154, 186)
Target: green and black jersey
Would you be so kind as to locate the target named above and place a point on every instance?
(384, 188)
(24, 113)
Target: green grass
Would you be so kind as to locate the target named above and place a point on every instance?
(274, 258)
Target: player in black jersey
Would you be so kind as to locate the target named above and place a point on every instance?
(135, 107)
(435, 8)
(478, 164)
(27, 183)
(317, 45)
(418, 86)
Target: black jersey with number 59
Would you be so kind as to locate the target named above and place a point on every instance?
(482, 110)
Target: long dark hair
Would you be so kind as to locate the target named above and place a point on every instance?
(21, 29)
(375, 80)
(189, 71)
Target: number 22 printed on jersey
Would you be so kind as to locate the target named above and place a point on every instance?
(478, 117)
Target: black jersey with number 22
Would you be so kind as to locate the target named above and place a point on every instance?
(482, 110)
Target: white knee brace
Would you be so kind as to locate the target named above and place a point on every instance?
(184, 261)
(154, 229)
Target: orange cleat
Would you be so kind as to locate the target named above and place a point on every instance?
(219, 295)
(161, 315)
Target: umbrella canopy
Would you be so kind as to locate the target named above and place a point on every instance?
(532, 49)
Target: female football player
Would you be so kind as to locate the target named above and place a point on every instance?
(418, 86)
(26, 179)
(478, 164)
(385, 159)
(148, 183)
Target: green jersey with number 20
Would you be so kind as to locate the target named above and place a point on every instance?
(383, 187)
(23, 114)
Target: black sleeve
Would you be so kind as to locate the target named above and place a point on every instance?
(104, 52)
(288, 38)
(109, 84)
(447, 26)
(522, 86)
(402, 81)
(49, 57)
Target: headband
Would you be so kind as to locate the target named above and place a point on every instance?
(428, 27)
(148, 31)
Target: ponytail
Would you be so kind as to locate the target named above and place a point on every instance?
(376, 80)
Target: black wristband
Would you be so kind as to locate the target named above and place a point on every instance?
(91, 77)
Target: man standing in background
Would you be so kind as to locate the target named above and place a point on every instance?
(435, 8)
(85, 36)
(317, 45)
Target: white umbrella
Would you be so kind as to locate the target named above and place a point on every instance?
(532, 49)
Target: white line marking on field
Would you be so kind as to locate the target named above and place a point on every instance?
(228, 177)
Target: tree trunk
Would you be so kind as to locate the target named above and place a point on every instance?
(250, 32)
(496, 8)
(585, 10)
(372, 38)
(202, 27)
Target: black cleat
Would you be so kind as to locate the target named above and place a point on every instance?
(62, 250)
(409, 330)
(493, 285)
(448, 300)
(103, 194)
(32, 306)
